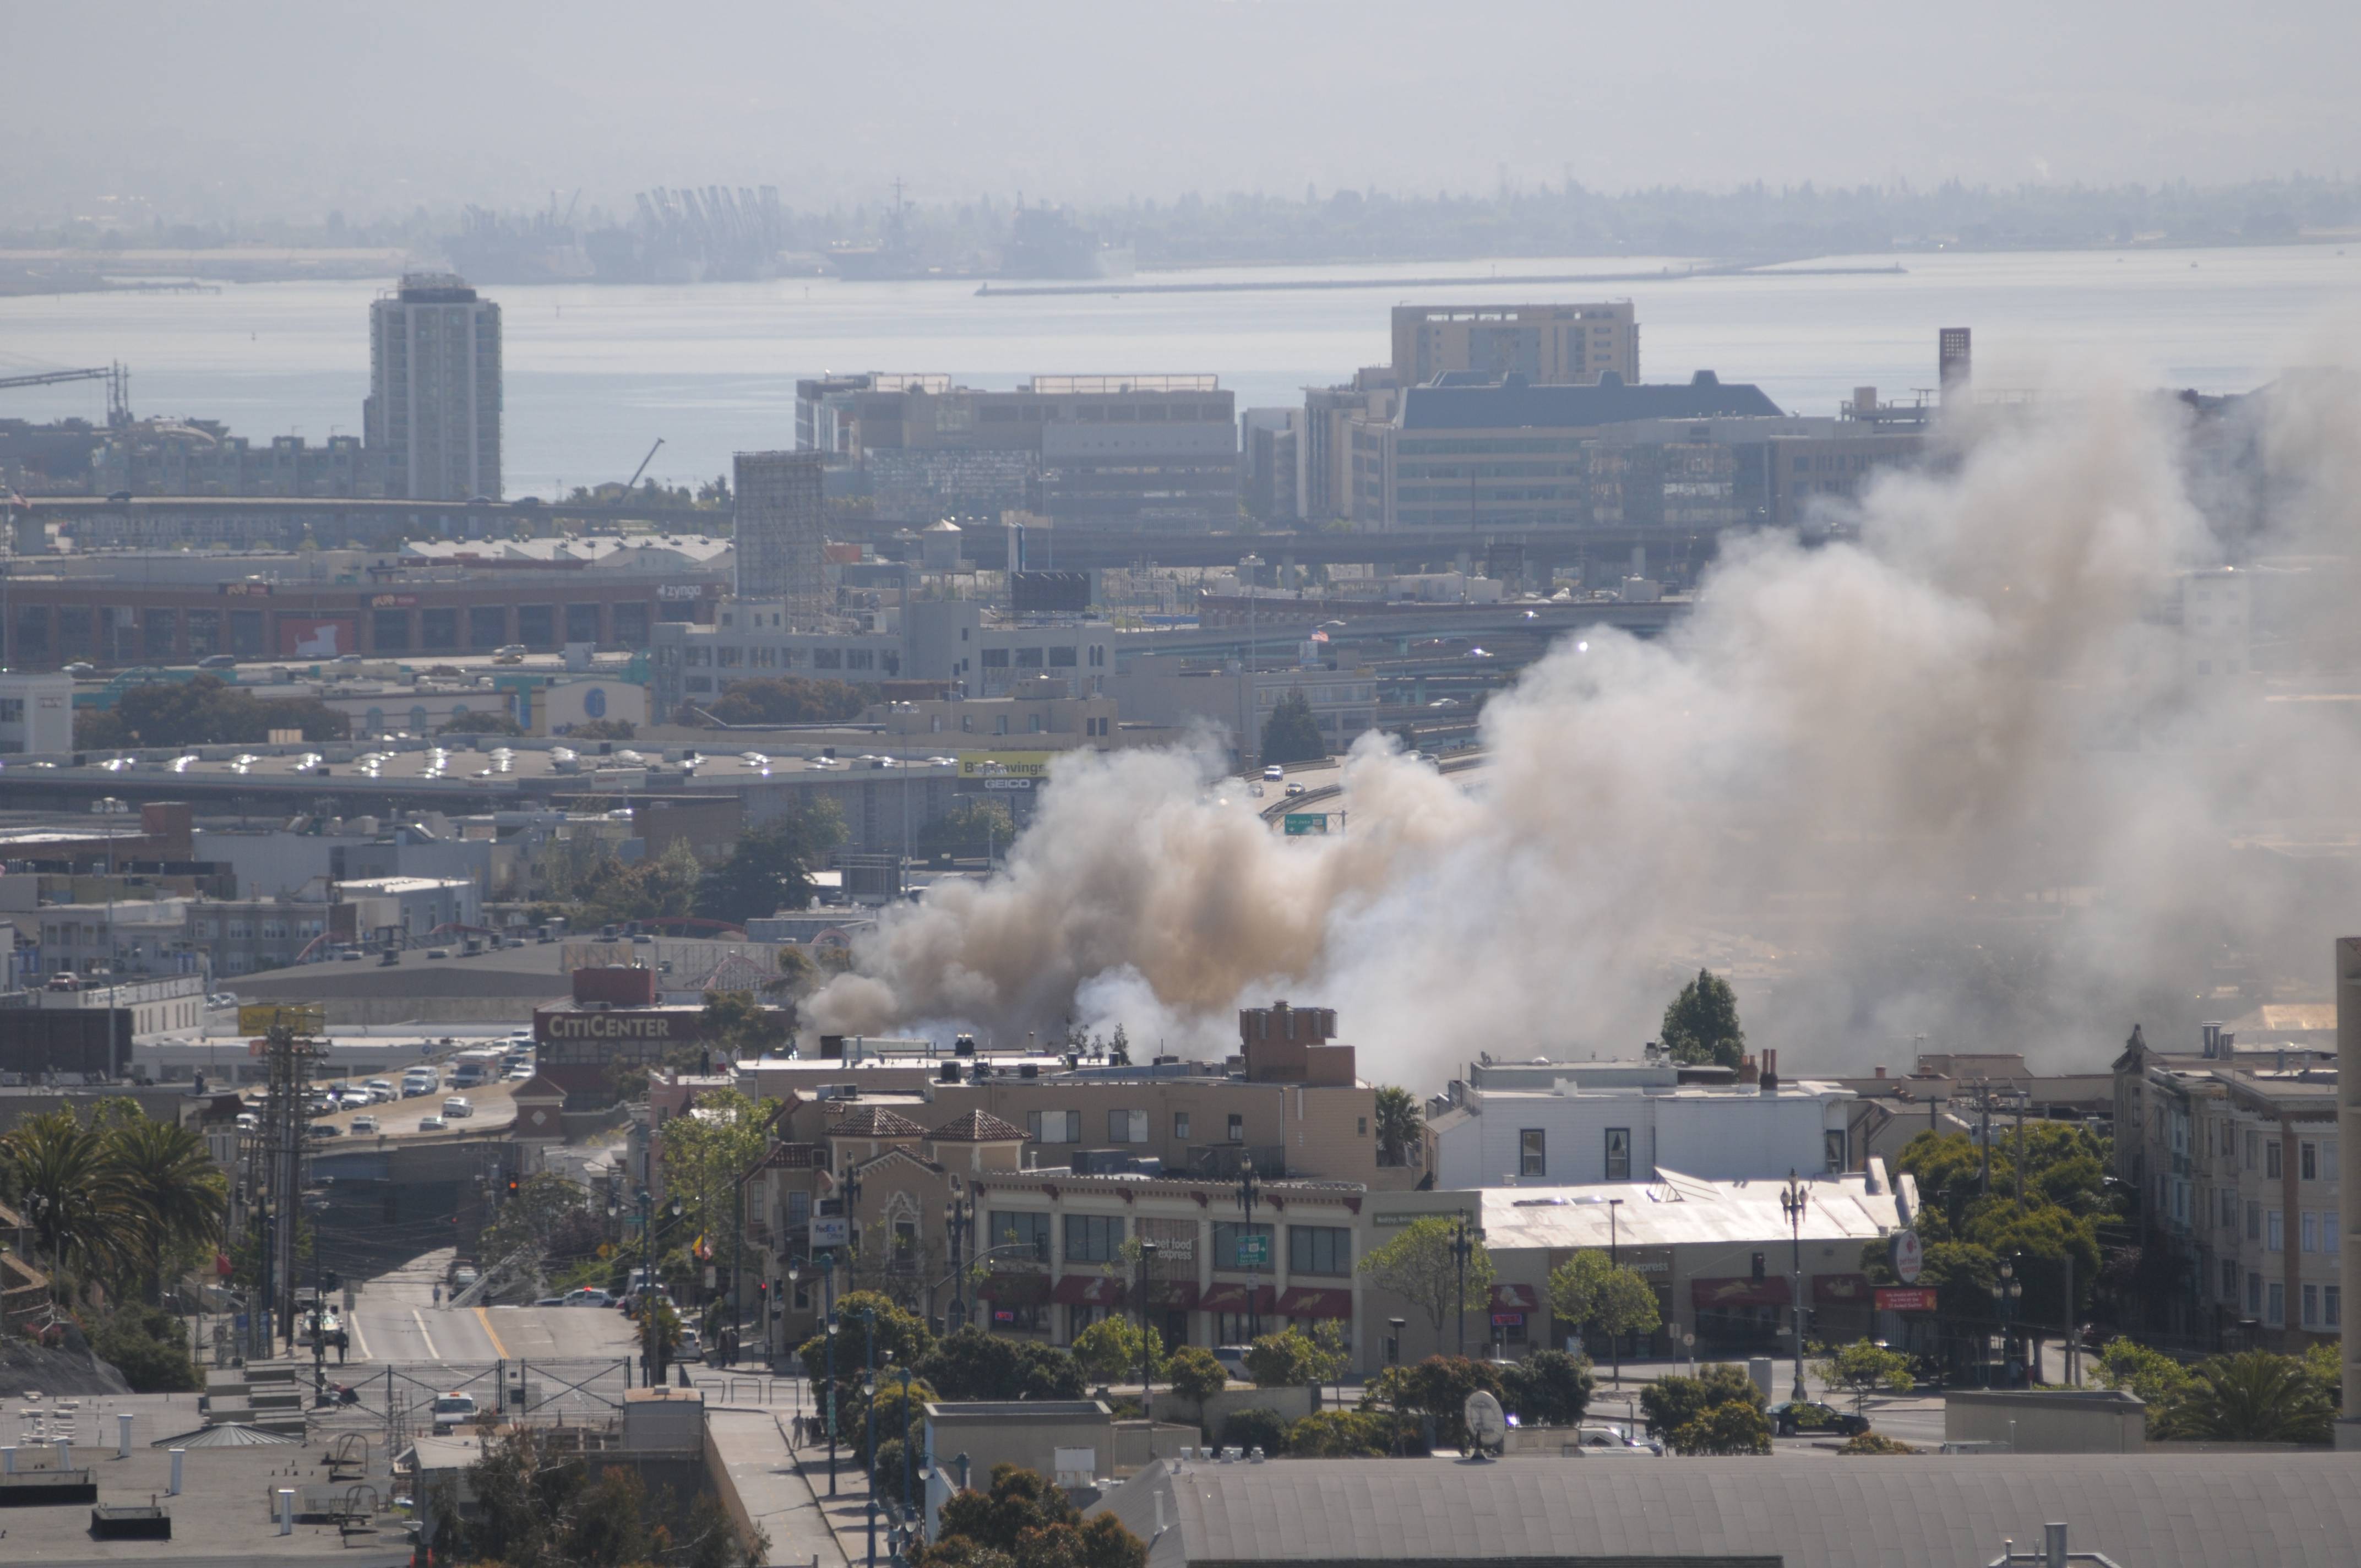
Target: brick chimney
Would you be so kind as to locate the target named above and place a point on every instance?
(1770, 1080)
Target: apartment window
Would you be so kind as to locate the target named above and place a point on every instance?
(2275, 1305)
(1126, 1126)
(1237, 1127)
(2312, 1306)
(1081, 1318)
(2332, 1310)
(1361, 1127)
(1054, 1127)
(2254, 1292)
(1619, 1154)
(2230, 1279)
(1319, 1249)
(2308, 1161)
(1832, 1145)
(2229, 1208)
(906, 1239)
(2329, 1232)
(2328, 1158)
(2229, 1141)
(798, 1208)
(1029, 659)
(1092, 1238)
(2271, 1159)
(1228, 1234)
(1180, 1126)
(1062, 658)
(2308, 1232)
(2253, 1221)
(2254, 1150)
(996, 658)
(1533, 1157)
(2274, 1231)
(1021, 1228)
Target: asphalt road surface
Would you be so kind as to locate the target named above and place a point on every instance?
(396, 1321)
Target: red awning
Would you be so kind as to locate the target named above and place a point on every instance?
(1222, 1297)
(1841, 1290)
(1516, 1298)
(1172, 1295)
(1302, 1302)
(1015, 1289)
(1088, 1291)
(1771, 1291)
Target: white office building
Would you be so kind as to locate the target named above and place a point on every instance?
(432, 423)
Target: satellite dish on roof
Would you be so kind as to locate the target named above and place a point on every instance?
(1488, 1428)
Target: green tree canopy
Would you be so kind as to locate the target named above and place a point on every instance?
(1419, 1264)
(976, 824)
(1672, 1402)
(898, 1331)
(1548, 1386)
(1400, 1128)
(1195, 1376)
(975, 1365)
(1591, 1292)
(202, 711)
(1701, 1023)
(1024, 1522)
(1288, 1359)
(2253, 1397)
(483, 723)
(2147, 1373)
(788, 699)
(738, 1025)
(769, 868)
(1292, 734)
(1865, 1367)
(1111, 1349)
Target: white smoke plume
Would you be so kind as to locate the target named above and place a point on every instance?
(1956, 778)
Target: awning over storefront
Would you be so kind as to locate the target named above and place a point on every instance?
(1302, 1302)
(1516, 1298)
(1770, 1291)
(1222, 1297)
(1015, 1289)
(1841, 1290)
(1172, 1295)
(1088, 1291)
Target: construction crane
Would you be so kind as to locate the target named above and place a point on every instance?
(116, 377)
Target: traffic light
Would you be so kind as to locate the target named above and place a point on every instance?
(513, 1186)
(1758, 1266)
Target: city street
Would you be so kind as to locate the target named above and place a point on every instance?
(395, 1320)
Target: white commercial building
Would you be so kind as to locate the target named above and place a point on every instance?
(1628, 1121)
(432, 423)
(36, 713)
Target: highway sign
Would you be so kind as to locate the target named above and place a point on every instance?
(1254, 1252)
(1299, 823)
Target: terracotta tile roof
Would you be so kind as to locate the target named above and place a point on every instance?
(875, 1122)
(978, 1127)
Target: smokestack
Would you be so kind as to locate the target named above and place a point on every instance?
(1770, 1080)
(1747, 1071)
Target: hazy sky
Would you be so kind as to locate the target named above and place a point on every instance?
(273, 108)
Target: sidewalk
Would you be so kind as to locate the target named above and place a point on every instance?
(772, 1491)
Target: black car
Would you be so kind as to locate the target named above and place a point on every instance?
(1807, 1418)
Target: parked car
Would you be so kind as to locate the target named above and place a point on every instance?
(452, 1410)
(1809, 1418)
(465, 1275)
(1613, 1440)
(691, 1346)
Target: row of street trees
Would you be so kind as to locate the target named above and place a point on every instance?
(1445, 1273)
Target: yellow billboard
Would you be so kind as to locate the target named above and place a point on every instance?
(308, 1018)
(1007, 764)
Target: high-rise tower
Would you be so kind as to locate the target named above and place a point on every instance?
(431, 424)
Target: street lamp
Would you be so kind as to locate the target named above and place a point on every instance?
(959, 1223)
(827, 1310)
(1461, 1249)
(2007, 1293)
(779, 1311)
(1796, 1199)
(1393, 1345)
(1250, 1199)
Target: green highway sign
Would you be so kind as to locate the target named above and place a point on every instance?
(1300, 822)
(1254, 1252)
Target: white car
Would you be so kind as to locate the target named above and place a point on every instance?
(452, 1410)
(457, 1105)
(1274, 773)
(364, 1123)
(587, 1296)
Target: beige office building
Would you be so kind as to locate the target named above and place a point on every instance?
(1544, 344)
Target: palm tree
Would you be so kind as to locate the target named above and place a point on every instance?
(58, 1167)
(1401, 1127)
(162, 1179)
(2253, 1397)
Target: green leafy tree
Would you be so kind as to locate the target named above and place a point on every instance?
(1672, 1402)
(1255, 1427)
(705, 1157)
(162, 1177)
(1288, 1359)
(1024, 1522)
(603, 729)
(770, 866)
(1420, 1265)
(1722, 1430)
(1401, 1128)
(1110, 1350)
(483, 723)
(205, 710)
(536, 1507)
(1292, 734)
(2143, 1371)
(546, 1206)
(1870, 1444)
(901, 1333)
(150, 1347)
(975, 1365)
(788, 699)
(2253, 1397)
(1195, 1376)
(1591, 1292)
(1343, 1434)
(1865, 1367)
(737, 1027)
(1439, 1387)
(1701, 1023)
(1548, 1386)
(56, 1167)
(976, 824)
